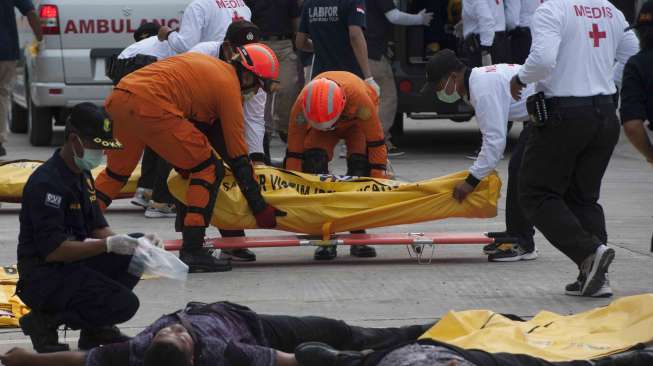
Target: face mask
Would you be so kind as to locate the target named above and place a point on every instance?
(248, 95)
(92, 158)
(448, 98)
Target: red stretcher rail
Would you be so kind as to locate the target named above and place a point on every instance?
(275, 241)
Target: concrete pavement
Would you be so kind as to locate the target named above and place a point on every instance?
(392, 289)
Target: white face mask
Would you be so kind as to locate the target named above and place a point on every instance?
(448, 98)
(91, 158)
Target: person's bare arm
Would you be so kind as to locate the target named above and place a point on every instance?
(359, 45)
(295, 24)
(35, 24)
(636, 133)
(285, 359)
(71, 251)
(302, 42)
(22, 357)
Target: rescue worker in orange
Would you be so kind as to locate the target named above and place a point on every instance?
(165, 106)
(337, 105)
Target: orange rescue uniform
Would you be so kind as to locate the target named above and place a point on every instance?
(359, 125)
(159, 106)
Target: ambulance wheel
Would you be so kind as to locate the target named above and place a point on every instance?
(40, 125)
(18, 122)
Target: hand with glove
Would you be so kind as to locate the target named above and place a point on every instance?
(267, 219)
(374, 85)
(121, 244)
(427, 18)
(154, 240)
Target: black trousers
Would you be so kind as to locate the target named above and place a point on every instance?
(470, 50)
(154, 176)
(285, 333)
(92, 293)
(517, 225)
(561, 172)
(520, 43)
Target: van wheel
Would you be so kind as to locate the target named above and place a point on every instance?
(18, 122)
(40, 125)
(397, 128)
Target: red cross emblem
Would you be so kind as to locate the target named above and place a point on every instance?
(596, 35)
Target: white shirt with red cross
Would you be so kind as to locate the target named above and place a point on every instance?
(207, 20)
(483, 17)
(575, 45)
(489, 94)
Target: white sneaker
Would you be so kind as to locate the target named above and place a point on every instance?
(342, 154)
(142, 197)
(160, 210)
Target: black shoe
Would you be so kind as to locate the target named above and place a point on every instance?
(574, 289)
(643, 357)
(3, 152)
(239, 255)
(362, 251)
(96, 337)
(43, 332)
(321, 354)
(325, 253)
(494, 247)
(594, 269)
(202, 260)
(512, 253)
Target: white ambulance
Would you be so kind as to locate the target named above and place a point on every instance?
(69, 66)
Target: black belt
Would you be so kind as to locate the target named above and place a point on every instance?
(276, 38)
(575, 102)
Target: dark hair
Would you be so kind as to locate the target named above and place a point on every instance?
(645, 37)
(165, 353)
(146, 30)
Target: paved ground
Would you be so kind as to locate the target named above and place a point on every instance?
(392, 289)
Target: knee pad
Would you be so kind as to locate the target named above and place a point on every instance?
(358, 165)
(211, 188)
(316, 161)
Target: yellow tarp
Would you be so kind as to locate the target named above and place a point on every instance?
(14, 175)
(553, 337)
(321, 204)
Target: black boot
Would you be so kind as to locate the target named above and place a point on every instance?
(362, 251)
(325, 253)
(95, 337)
(321, 354)
(42, 330)
(198, 258)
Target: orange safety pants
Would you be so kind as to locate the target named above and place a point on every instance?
(139, 122)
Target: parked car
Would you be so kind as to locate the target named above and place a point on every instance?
(69, 65)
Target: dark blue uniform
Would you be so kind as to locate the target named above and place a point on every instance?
(327, 22)
(60, 205)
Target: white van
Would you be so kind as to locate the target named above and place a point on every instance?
(79, 36)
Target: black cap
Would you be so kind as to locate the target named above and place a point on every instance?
(89, 121)
(440, 65)
(645, 17)
(146, 30)
(242, 32)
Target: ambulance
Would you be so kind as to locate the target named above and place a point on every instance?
(68, 66)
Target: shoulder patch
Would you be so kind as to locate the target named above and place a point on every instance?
(53, 200)
(364, 113)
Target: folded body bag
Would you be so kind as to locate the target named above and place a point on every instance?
(325, 204)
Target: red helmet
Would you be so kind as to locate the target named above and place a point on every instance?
(323, 103)
(260, 60)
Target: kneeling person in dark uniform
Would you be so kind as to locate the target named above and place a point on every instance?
(72, 267)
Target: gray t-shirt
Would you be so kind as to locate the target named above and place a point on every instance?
(423, 355)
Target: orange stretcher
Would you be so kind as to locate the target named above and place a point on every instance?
(416, 243)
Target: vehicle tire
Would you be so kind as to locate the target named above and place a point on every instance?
(461, 119)
(18, 122)
(40, 125)
(397, 128)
